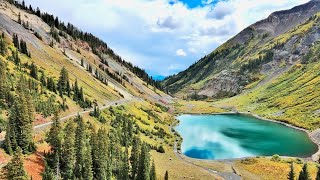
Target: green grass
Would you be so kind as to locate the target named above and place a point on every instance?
(265, 168)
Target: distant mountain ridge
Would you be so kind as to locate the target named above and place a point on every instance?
(219, 73)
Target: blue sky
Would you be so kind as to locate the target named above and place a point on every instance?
(193, 3)
(163, 36)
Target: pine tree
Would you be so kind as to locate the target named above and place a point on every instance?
(82, 62)
(114, 153)
(54, 138)
(134, 159)
(3, 46)
(153, 175)
(102, 169)
(3, 80)
(15, 169)
(83, 167)
(43, 79)
(19, 18)
(47, 174)
(304, 174)
(79, 144)
(16, 41)
(10, 139)
(63, 80)
(166, 176)
(291, 174)
(21, 117)
(76, 91)
(95, 152)
(318, 173)
(125, 168)
(51, 84)
(81, 96)
(34, 71)
(99, 144)
(144, 163)
(68, 89)
(7, 140)
(87, 159)
(16, 58)
(68, 151)
(23, 47)
(60, 91)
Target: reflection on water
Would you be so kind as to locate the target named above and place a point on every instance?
(235, 136)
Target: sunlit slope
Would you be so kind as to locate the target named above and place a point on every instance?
(262, 50)
(50, 55)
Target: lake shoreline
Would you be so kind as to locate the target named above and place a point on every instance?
(314, 136)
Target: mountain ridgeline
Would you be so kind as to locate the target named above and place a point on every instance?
(97, 46)
(259, 53)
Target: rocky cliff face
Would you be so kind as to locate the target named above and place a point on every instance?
(223, 84)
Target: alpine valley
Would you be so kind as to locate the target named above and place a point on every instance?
(72, 108)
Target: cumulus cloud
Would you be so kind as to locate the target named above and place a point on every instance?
(146, 32)
(220, 10)
(181, 52)
(168, 22)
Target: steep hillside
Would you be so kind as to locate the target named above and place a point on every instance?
(292, 97)
(257, 54)
(103, 74)
(61, 88)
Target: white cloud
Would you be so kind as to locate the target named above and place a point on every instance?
(221, 10)
(180, 52)
(146, 32)
(168, 22)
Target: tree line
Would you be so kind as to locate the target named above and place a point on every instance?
(256, 63)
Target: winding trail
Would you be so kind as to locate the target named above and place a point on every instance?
(111, 103)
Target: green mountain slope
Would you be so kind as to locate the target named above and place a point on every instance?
(263, 50)
(53, 44)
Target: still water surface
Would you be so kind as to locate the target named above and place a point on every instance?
(236, 136)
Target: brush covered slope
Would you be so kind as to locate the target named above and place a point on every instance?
(260, 51)
(90, 61)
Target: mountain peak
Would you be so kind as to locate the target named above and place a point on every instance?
(280, 22)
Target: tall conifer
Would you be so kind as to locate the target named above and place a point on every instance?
(68, 151)
(291, 175)
(304, 174)
(15, 169)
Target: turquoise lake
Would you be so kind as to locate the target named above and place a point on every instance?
(236, 136)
